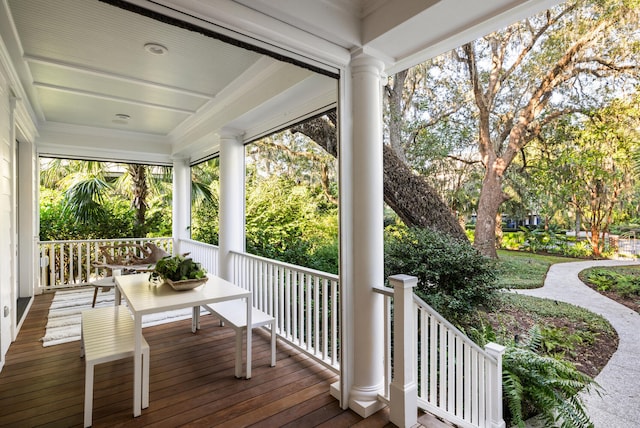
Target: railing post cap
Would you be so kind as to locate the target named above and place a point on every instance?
(494, 348)
(403, 280)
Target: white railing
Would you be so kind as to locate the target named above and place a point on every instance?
(453, 378)
(304, 303)
(70, 263)
(205, 254)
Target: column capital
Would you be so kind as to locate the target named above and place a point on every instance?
(363, 59)
(180, 160)
(227, 133)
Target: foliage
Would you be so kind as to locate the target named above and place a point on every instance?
(557, 341)
(205, 223)
(285, 221)
(540, 240)
(480, 105)
(453, 277)
(291, 212)
(627, 285)
(95, 195)
(532, 371)
(578, 249)
(533, 383)
(513, 240)
(586, 165)
(56, 223)
(205, 197)
(548, 241)
(178, 268)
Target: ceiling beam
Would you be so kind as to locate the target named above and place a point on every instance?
(114, 76)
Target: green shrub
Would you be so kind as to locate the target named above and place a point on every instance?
(58, 224)
(626, 285)
(453, 277)
(535, 384)
(512, 240)
(558, 341)
(579, 249)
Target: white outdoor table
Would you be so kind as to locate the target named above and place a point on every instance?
(144, 298)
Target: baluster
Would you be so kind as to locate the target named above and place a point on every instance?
(468, 383)
(325, 318)
(62, 264)
(308, 315)
(334, 322)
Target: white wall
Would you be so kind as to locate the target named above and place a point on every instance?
(7, 223)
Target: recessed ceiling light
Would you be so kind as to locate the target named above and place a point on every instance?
(155, 49)
(121, 119)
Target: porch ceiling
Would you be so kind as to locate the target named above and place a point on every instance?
(94, 90)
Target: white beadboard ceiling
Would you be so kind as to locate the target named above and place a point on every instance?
(82, 64)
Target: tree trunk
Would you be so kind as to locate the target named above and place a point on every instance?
(139, 189)
(595, 240)
(499, 234)
(491, 198)
(408, 194)
(414, 200)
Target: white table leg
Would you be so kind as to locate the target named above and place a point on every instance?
(195, 319)
(137, 367)
(249, 334)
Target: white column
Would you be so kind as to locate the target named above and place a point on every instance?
(403, 392)
(232, 200)
(181, 202)
(367, 256)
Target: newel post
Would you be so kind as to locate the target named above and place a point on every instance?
(403, 392)
(495, 373)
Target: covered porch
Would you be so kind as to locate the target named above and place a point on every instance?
(243, 70)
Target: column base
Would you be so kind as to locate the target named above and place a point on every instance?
(364, 408)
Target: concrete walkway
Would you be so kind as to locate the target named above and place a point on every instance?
(619, 405)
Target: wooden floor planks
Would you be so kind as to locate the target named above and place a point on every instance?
(191, 383)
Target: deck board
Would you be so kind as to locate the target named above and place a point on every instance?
(191, 383)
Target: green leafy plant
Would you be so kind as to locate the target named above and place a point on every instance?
(453, 277)
(557, 341)
(178, 268)
(537, 384)
(602, 279)
(626, 285)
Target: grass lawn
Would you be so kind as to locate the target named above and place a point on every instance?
(518, 269)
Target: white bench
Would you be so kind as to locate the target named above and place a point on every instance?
(234, 313)
(107, 335)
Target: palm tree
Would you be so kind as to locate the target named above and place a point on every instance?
(86, 184)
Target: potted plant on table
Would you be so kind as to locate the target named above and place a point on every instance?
(180, 272)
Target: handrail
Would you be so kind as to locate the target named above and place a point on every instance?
(303, 269)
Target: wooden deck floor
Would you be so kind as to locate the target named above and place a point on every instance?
(191, 383)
